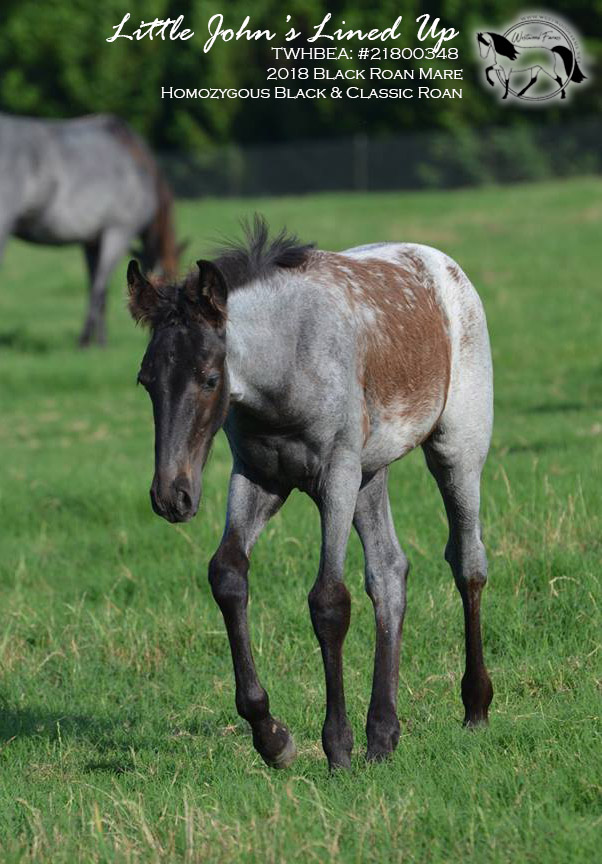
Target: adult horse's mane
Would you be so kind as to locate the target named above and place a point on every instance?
(257, 256)
(503, 46)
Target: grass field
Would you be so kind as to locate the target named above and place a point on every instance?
(119, 740)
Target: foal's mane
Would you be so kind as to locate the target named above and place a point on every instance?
(258, 256)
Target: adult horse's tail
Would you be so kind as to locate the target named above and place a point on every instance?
(159, 239)
(570, 62)
(159, 247)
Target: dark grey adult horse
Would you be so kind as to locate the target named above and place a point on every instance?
(91, 181)
(324, 368)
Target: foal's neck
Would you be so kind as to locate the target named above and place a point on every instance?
(256, 338)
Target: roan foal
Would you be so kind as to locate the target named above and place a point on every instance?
(323, 369)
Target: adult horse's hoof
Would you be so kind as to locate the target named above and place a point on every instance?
(285, 758)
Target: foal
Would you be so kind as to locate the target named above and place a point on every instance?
(323, 369)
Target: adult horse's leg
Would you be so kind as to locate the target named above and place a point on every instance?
(329, 600)
(386, 573)
(91, 252)
(250, 506)
(101, 256)
(563, 91)
(5, 230)
(456, 463)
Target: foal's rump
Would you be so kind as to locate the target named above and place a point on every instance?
(421, 328)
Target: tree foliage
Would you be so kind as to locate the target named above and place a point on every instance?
(56, 62)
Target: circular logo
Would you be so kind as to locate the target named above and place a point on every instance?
(534, 60)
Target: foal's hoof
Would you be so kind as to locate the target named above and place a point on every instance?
(286, 756)
(476, 721)
(275, 744)
(340, 762)
(379, 753)
(383, 737)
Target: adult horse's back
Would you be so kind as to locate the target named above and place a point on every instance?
(90, 180)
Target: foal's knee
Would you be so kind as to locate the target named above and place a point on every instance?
(330, 609)
(228, 576)
(468, 561)
(385, 583)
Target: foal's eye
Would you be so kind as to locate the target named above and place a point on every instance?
(211, 381)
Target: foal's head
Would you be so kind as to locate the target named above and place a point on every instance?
(183, 371)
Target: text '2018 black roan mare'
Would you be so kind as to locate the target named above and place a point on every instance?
(324, 368)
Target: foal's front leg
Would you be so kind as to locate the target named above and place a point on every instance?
(329, 600)
(250, 506)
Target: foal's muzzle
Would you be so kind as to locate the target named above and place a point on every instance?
(177, 502)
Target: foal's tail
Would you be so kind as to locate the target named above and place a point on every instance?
(570, 62)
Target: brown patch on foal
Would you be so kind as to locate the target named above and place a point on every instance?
(406, 358)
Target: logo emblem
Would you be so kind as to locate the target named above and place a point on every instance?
(535, 60)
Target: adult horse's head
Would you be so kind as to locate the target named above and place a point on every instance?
(183, 371)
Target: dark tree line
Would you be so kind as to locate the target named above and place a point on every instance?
(54, 61)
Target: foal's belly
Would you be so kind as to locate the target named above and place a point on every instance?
(287, 460)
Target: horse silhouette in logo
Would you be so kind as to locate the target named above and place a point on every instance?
(533, 61)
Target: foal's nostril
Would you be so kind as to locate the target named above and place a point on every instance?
(182, 496)
(184, 500)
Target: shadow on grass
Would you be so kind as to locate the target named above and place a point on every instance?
(21, 340)
(31, 722)
(111, 739)
(536, 447)
(563, 408)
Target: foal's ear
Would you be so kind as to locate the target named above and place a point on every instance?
(142, 295)
(213, 289)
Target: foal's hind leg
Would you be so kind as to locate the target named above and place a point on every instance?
(456, 465)
(386, 572)
(250, 506)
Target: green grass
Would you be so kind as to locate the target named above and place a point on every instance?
(119, 739)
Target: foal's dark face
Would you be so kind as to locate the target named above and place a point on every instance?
(184, 373)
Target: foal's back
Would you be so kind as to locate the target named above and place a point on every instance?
(421, 332)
